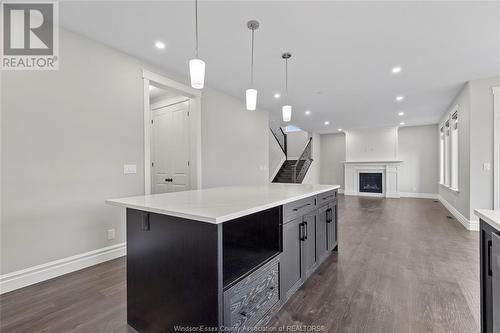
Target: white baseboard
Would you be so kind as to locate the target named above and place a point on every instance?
(468, 224)
(39, 273)
(373, 195)
(419, 195)
(396, 195)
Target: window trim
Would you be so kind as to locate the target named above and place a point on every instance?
(446, 157)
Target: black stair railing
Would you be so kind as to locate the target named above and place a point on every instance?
(280, 137)
(299, 169)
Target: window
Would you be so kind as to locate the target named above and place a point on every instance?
(441, 155)
(454, 150)
(447, 163)
(291, 128)
(448, 151)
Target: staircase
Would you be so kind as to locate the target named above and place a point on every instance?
(292, 171)
(285, 175)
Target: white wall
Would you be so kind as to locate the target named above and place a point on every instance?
(475, 115)
(481, 143)
(461, 200)
(276, 156)
(372, 144)
(419, 172)
(66, 135)
(332, 151)
(235, 142)
(295, 143)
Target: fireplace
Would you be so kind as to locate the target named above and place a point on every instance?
(370, 182)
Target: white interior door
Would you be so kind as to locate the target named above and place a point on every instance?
(170, 148)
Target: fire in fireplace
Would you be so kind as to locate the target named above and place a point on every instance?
(370, 182)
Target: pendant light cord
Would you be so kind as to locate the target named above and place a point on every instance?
(251, 62)
(196, 24)
(286, 77)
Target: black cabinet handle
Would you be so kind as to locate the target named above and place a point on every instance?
(145, 226)
(329, 215)
(306, 232)
(243, 313)
(300, 207)
(301, 232)
(490, 272)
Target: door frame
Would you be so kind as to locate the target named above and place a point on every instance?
(194, 126)
(496, 147)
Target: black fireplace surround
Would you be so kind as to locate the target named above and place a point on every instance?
(370, 182)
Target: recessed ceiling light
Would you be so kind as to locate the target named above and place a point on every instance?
(399, 98)
(340, 129)
(277, 95)
(402, 123)
(401, 113)
(308, 112)
(160, 45)
(327, 122)
(396, 70)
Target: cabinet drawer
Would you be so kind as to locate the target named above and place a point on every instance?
(326, 197)
(298, 208)
(249, 300)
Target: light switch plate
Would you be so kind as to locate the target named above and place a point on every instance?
(111, 234)
(486, 166)
(129, 169)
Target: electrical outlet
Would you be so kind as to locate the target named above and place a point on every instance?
(111, 234)
(486, 166)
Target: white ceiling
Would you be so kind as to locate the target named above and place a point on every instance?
(343, 52)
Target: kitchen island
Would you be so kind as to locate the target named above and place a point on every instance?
(489, 249)
(223, 258)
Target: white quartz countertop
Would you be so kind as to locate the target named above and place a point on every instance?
(492, 217)
(220, 204)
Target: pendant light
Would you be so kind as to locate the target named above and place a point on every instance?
(251, 93)
(196, 65)
(286, 109)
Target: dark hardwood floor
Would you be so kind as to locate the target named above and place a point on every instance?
(402, 266)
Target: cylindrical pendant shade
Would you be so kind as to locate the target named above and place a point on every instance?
(287, 112)
(197, 72)
(251, 97)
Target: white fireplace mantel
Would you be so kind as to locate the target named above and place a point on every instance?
(388, 168)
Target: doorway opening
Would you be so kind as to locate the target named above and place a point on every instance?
(172, 136)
